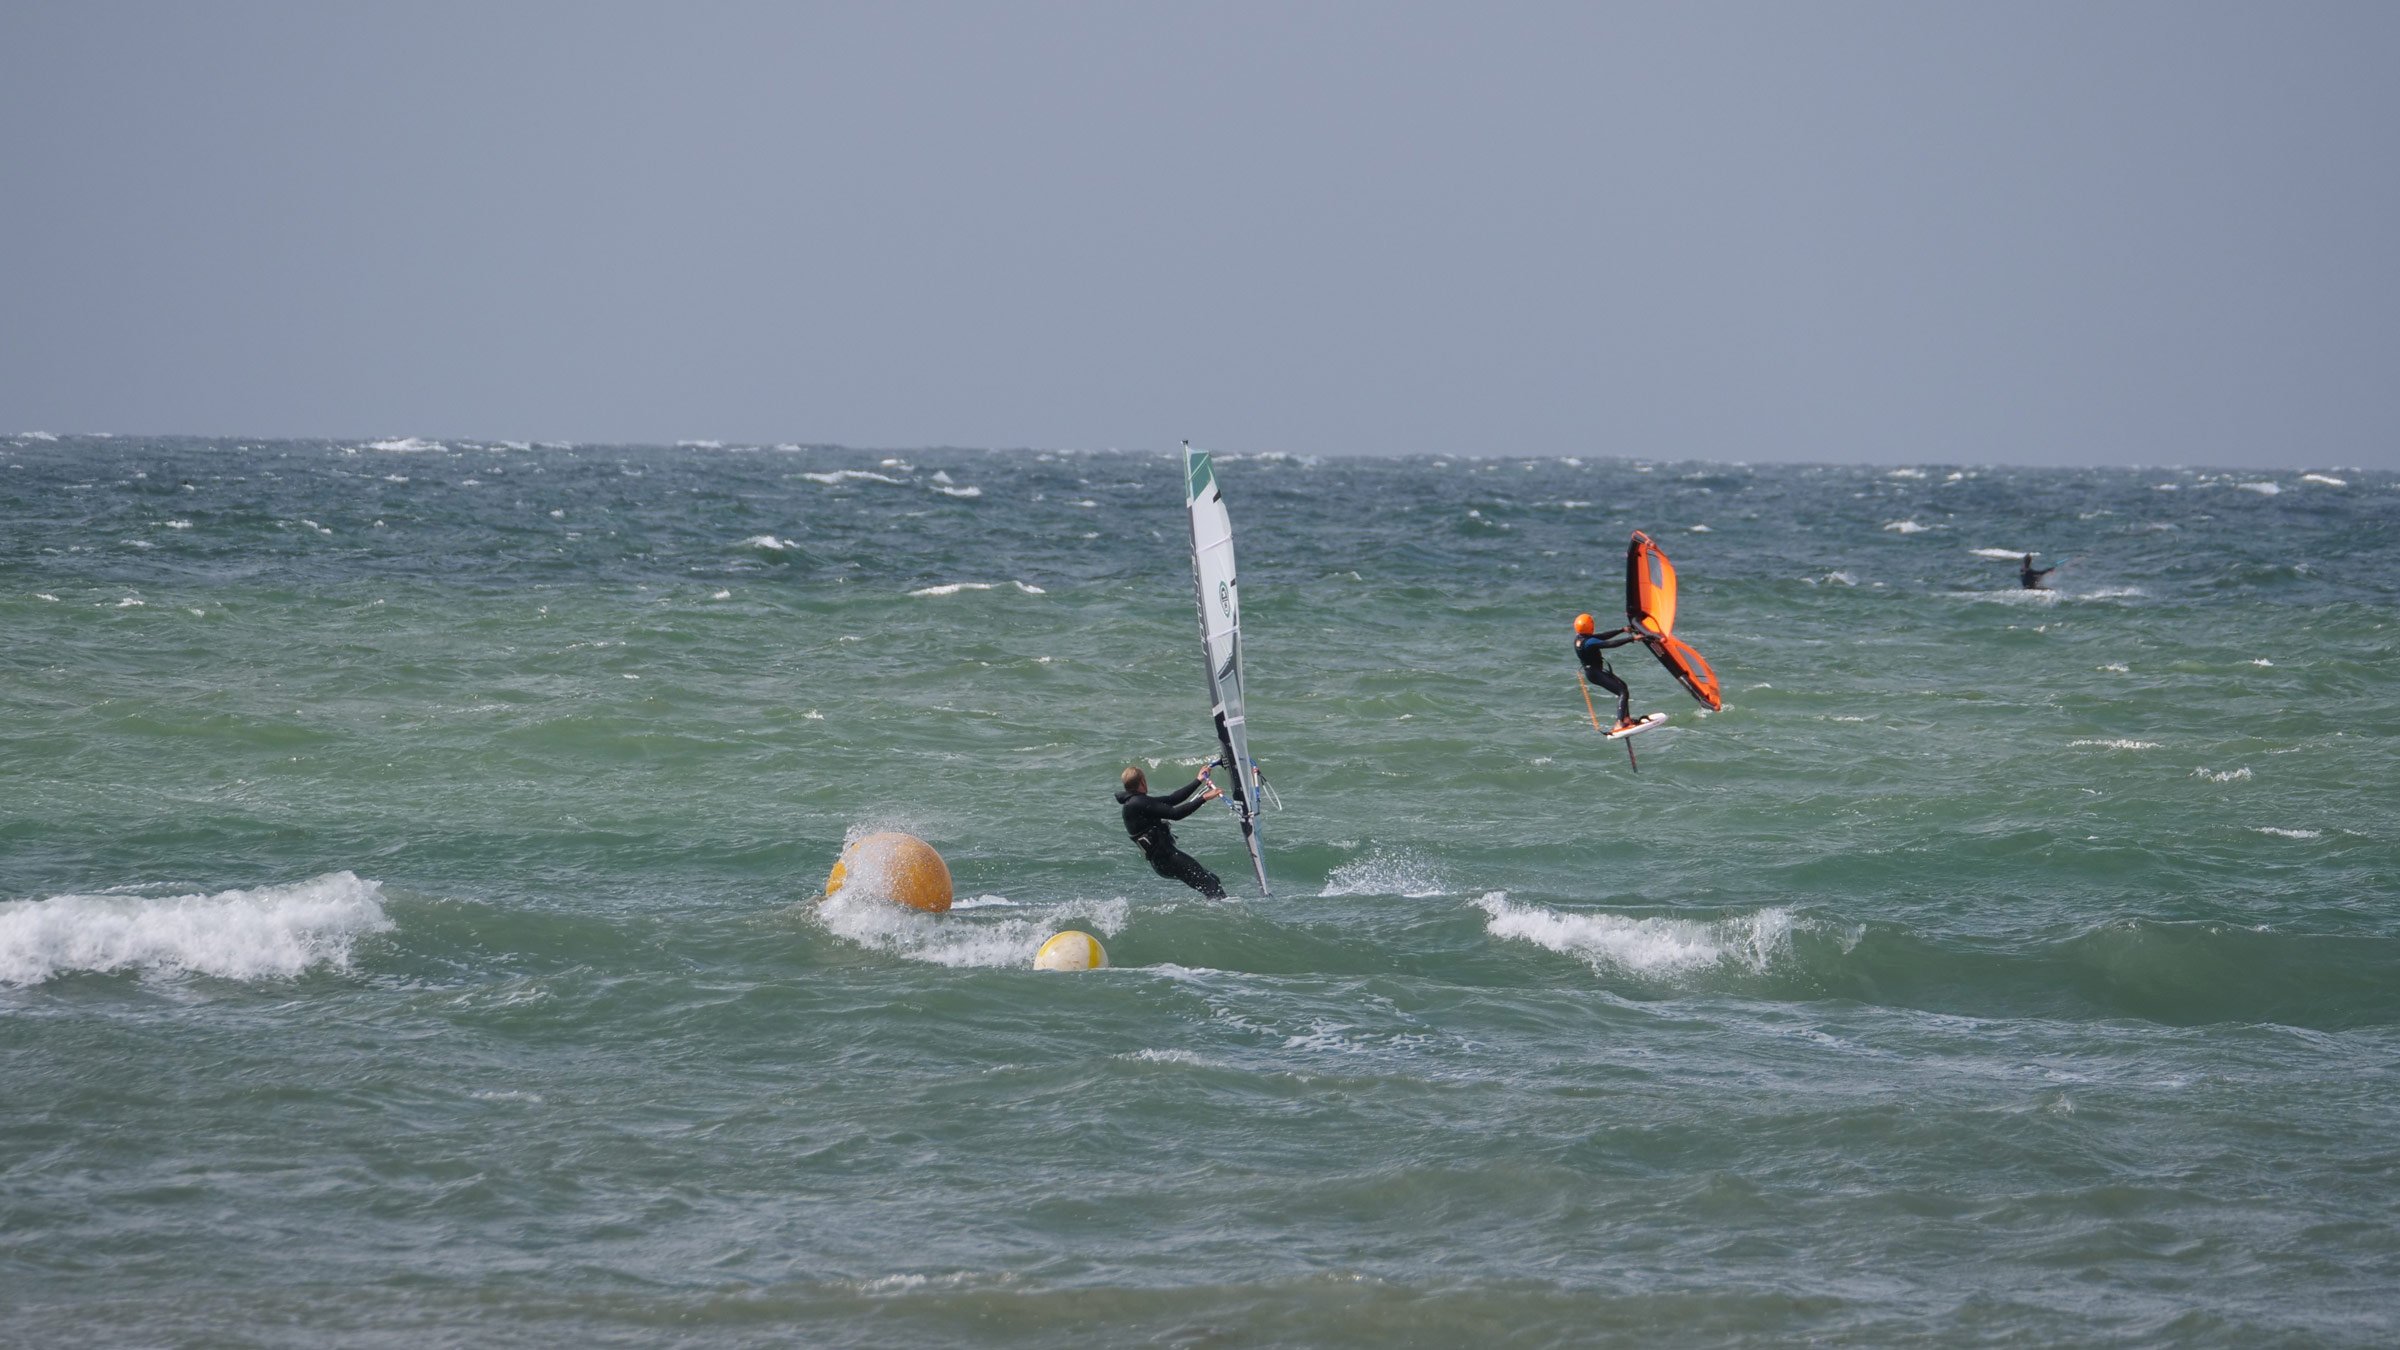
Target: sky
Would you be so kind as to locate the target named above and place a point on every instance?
(2042, 233)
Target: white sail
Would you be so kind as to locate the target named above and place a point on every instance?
(1220, 598)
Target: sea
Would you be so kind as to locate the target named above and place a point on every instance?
(411, 851)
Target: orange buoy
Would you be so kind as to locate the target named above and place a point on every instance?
(889, 865)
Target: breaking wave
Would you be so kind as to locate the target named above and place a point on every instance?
(269, 933)
(1651, 946)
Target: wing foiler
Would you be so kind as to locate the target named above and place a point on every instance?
(1650, 607)
(1220, 596)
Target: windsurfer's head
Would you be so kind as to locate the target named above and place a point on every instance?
(1133, 780)
(1584, 625)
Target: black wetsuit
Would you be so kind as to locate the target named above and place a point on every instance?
(1146, 820)
(1588, 649)
(2031, 579)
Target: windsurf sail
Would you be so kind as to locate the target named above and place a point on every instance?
(1650, 607)
(1220, 597)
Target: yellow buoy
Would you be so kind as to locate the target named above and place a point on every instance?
(1071, 950)
(893, 866)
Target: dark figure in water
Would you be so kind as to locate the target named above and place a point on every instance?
(2029, 577)
(1589, 645)
(1146, 820)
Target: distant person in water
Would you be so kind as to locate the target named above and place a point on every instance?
(2030, 577)
(1146, 820)
(1589, 644)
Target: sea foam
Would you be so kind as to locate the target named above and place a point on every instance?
(1386, 874)
(1008, 937)
(1653, 946)
(267, 933)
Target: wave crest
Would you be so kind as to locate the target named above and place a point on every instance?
(268, 933)
(1652, 946)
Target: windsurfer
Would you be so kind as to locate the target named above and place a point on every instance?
(1589, 644)
(1146, 820)
(2030, 577)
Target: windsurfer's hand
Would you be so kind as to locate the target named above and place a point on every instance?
(1211, 794)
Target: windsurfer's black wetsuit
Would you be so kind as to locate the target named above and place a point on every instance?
(1588, 649)
(1146, 820)
(2031, 579)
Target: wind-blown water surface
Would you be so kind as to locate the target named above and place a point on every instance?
(407, 937)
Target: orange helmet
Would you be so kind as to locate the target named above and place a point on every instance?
(1583, 625)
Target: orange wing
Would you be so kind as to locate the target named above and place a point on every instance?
(1688, 667)
(1649, 587)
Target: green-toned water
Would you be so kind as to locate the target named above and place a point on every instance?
(407, 861)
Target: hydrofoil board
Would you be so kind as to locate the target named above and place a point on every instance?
(1640, 724)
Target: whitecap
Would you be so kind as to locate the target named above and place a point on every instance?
(2228, 776)
(407, 445)
(2288, 834)
(770, 543)
(176, 524)
(270, 932)
(956, 586)
(2116, 668)
(1170, 1057)
(1906, 527)
(2326, 479)
(35, 436)
(1652, 946)
(1698, 529)
(1030, 590)
(1379, 873)
(1006, 938)
(2262, 489)
(2260, 661)
(1906, 473)
(129, 602)
(970, 490)
(2118, 744)
(2005, 554)
(851, 476)
(699, 445)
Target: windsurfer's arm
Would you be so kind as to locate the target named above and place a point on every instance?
(1179, 812)
(1170, 798)
(1620, 638)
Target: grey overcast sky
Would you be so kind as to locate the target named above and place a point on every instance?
(2042, 233)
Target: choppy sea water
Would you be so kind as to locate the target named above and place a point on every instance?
(408, 854)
